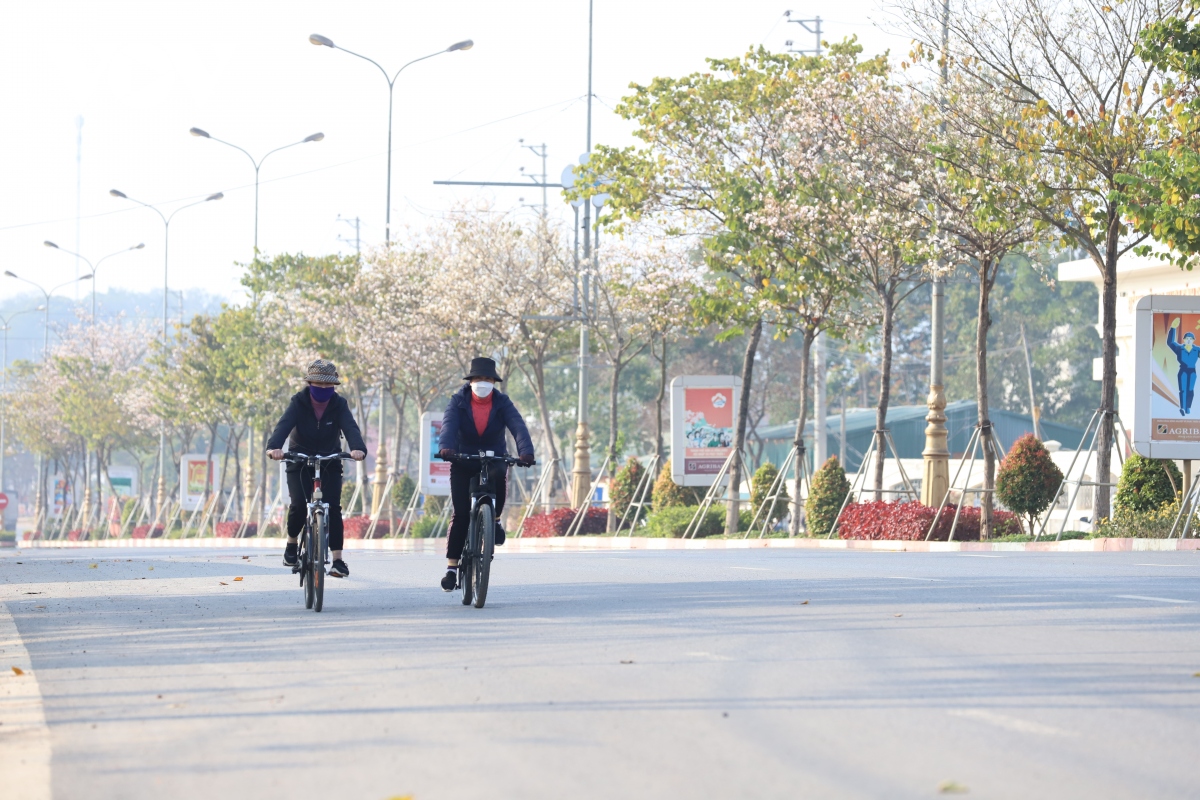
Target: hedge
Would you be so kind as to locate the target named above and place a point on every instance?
(559, 520)
(910, 522)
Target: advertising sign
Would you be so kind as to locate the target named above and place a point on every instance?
(1166, 416)
(195, 472)
(62, 497)
(435, 473)
(124, 481)
(703, 420)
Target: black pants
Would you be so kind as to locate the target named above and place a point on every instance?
(463, 481)
(300, 489)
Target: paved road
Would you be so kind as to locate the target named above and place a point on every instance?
(707, 674)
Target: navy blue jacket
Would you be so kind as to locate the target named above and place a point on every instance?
(458, 426)
(309, 436)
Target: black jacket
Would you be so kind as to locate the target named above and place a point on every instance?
(458, 426)
(307, 436)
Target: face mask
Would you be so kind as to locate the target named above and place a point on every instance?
(321, 393)
(482, 389)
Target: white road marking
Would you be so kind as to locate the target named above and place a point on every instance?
(1155, 599)
(1007, 722)
(979, 555)
(906, 578)
(756, 569)
(1167, 565)
(711, 656)
(25, 746)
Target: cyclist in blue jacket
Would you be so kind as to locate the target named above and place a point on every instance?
(475, 419)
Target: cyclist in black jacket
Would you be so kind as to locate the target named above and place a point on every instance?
(316, 419)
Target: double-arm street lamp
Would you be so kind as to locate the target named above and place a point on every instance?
(323, 41)
(46, 294)
(316, 137)
(4, 382)
(93, 267)
(166, 220)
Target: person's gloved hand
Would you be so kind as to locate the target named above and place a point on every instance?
(445, 453)
(275, 455)
(526, 459)
(358, 455)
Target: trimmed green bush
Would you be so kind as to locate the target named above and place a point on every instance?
(1146, 484)
(423, 527)
(760, 487)
(670, 523)
(624, 486)
(1028, 480)
(402, 491)
(669, 494)
(829, 490)
(1154, 524)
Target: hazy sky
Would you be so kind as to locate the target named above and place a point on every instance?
(142, 73)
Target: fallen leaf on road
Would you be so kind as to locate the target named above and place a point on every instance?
(39, 606)
(1196, 675)
(401, 797)
(92, 566)
(897, 615)
(150, 568)
(18, 671)
(630, 661)
(245, 558)
(952, 787)
(237, 579)
(223, 583)
(804, 603)
(160, 697)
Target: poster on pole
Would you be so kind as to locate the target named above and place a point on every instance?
(124, 480)
(435, 473)
(1166, 418)
(703, 423)
(195, 474)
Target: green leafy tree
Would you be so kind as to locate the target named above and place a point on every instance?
(1028, 479)
(1147, 484)
(402, 491)
(829, 490)
(624, 486)
(760, 487)
(668, 493)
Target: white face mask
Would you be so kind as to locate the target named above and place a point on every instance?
(482, 388)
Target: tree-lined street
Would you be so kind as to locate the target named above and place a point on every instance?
(755, 673)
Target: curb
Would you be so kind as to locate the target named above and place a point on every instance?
(585, 543)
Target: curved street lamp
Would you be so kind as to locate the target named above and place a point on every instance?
(166, 219)
(203, 134)
(46, 294)
(324, 41)
(52, 245)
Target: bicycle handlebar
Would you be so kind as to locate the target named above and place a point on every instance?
(304, 458)
(512, 462)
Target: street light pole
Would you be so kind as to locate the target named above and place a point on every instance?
(93, 267)
(323, 41)
(166, 220)
(4, 386)
(316, 137)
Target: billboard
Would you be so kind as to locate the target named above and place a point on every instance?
(195, 471)
(435, 473)
(1166, 416)
(124, 481)
(703, 423)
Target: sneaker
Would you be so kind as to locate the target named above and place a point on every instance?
(499, 535)
(291, 554)
(450, 580)
(339, 569)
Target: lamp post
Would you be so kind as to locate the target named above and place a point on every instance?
(316, 137)
(93, 267)
(166, 220)
(323, 41)
(4, 384)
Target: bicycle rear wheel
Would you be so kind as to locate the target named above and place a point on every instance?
(485, 530)
(317, 546)
(466, 564)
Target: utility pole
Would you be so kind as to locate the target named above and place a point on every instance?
(78, 193)
(1034, 411)
(581, 470)
(542, 152)
(357, 240)
(812, 26)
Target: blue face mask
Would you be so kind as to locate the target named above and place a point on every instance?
(321, 393)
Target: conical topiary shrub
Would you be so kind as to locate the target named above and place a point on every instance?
(624, 485)
(668, 493)
(760, 488)
(1146, 484)
(1028, 479)
(829, 490)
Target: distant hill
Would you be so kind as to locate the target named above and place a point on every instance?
(25, 338)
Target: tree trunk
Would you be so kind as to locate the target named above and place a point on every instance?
(659, 448)
(983, 322)
(614, 390)
(888, 296)
(739, 437)
(798, 440)
(1108, 381)
(208, 454)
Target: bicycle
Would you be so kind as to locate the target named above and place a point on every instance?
(475, 564)
(314, 542)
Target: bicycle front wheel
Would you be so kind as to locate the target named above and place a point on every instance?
(306, 557)
(320, 530)
(466, 562)
(485, 535)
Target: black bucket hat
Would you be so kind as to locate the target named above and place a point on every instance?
(483, 368)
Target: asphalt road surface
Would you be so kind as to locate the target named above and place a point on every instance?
(698, 674)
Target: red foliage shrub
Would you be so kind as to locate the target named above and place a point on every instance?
(910, 522)
(76, 535)
(31, 536)
(229, 530)
(559, 520)
(143, 532)
(356, 527)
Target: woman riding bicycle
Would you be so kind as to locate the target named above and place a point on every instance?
(316, 419)
(475, 419)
